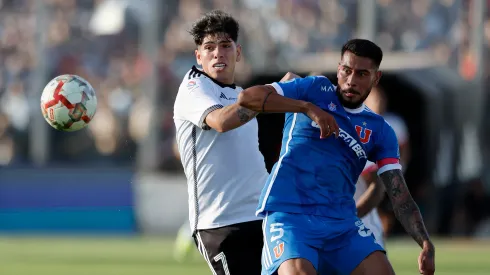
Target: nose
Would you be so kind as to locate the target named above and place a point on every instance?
(218, 53)
(351, 81)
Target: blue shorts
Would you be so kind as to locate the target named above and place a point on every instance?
(333, 246)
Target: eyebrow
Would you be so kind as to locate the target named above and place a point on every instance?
(359, 70)
(217, 42)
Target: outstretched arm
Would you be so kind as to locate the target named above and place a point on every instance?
(405, 208)
(233, 116)
(408, 213)
(229, 117)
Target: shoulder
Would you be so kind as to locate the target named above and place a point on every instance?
(194, 79)
(317, 85)
(319, 80)
(378, 123)
(374, 116)
(398, 125)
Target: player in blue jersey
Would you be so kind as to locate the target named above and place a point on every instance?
(310, 222)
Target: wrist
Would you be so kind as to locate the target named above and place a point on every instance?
(305, 107)
(428, 244)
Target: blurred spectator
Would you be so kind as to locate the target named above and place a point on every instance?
(100, 40)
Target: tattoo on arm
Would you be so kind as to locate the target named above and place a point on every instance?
(404, 207)
(245, 114)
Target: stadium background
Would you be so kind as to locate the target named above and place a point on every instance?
(108, 199)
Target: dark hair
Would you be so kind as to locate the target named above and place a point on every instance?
(364, 48)
(213, 23)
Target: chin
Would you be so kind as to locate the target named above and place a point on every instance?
(351, 104)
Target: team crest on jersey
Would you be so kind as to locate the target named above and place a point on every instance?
(332, 107)
(364, 134)
(278, 250)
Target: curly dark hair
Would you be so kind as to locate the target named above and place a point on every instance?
(364, 48)
(214, 23)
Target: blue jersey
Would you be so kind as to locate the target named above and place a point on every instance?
(317, 176)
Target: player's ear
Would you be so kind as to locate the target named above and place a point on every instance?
(198, 56)
(238, 52)
(378, 77)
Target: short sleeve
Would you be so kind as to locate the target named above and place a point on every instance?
(399, 126)
(196, 99)
(297, 88)
(386, 151)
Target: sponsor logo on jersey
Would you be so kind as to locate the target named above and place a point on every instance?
(191, 85)
(223, 96)
(351, 142)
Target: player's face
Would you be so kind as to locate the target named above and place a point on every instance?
(218, 55)
(356, 77)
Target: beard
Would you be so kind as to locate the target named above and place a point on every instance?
(351, 102)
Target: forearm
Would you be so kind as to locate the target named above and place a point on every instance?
(370, 199)
(229, 117)
(264, 98)
(404, 207)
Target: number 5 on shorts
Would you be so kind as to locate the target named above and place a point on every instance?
(276, 228)
(277, 232)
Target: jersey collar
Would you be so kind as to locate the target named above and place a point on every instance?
(356, 110)
(222, 85)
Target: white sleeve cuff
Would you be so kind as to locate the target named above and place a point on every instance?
(277, 88)
(388, 167)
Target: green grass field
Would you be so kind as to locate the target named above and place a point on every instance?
(152, 256)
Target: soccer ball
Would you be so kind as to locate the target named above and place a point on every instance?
(68, 103)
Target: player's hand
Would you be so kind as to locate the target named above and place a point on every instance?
(289, 76)
(325, 121)
(427, 260)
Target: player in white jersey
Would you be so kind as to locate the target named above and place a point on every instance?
(218, 145)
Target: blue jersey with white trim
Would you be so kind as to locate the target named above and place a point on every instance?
(317, 176)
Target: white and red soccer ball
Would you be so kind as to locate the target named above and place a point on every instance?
(68, 103)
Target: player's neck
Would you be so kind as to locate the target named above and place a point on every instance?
(357, 109)
(223, 80)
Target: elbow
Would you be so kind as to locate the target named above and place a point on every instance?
(244, 98)
(221, 129)
(250, 99)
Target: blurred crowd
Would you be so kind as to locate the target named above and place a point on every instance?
(101, 40)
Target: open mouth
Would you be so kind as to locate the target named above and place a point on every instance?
(219, 65)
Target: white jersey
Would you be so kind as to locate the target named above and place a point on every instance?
(225, 171)
(372, 219)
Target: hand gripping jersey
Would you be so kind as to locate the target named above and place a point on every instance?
(316, 176)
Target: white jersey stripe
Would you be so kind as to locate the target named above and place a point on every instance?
(268, 257)
(205, 253)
